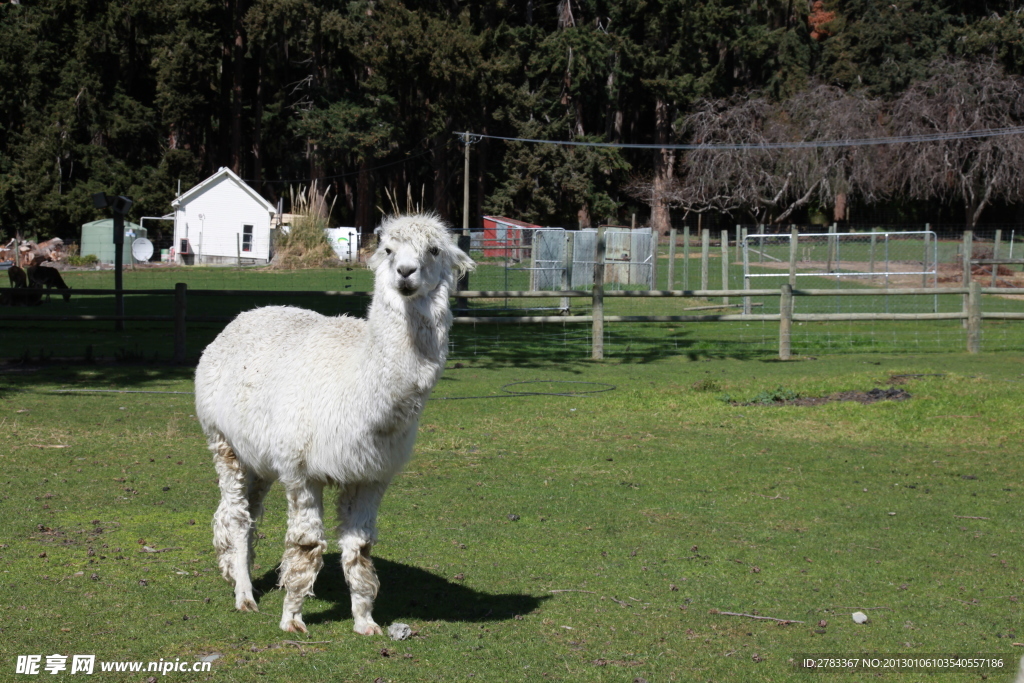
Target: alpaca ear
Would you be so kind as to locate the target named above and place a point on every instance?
(461, 262)
(375, 259)
(377, 256)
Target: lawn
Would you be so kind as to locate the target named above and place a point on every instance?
(587, 535)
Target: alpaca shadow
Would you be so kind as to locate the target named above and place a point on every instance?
(28, 377)
(408, 594)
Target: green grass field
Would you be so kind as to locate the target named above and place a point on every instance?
(644, 513)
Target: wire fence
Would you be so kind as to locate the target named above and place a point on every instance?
(543, 258)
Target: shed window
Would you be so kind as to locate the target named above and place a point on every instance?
(246, 238)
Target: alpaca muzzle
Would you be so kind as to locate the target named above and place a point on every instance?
(408, 287)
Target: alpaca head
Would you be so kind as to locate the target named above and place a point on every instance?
(416, 254)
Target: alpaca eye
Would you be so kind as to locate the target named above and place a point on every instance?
(434, 251)
(388, 252)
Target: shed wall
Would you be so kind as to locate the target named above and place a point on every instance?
(212, 220)
(98, 239)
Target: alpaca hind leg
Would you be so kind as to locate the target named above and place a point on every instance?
(304, 550)
(357, 514)
(258, 489)
(232, 525)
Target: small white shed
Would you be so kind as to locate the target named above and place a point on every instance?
(222, 220)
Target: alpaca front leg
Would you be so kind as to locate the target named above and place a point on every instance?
(362, 582)
(233, 525)
(357, 512)
(304, 550)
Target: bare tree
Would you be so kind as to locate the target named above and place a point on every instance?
(771, 182)
(960, 96)
(725, 179)
(713, 181)
(829, 172)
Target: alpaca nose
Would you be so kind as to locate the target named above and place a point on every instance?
(406, 271)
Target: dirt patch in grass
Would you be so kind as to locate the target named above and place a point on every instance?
(871, 396)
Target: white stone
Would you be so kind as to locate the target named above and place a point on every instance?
(399, 631)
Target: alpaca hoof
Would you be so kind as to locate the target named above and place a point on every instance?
(370, 629)
(246, 603)
(294, 626)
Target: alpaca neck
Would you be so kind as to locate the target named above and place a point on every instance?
(408, 339)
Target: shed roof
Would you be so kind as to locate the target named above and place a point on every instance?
(222, 172)
(108, 224)
(501, 220)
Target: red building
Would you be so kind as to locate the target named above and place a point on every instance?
(504, 237)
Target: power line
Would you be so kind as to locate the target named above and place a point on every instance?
(805, 144)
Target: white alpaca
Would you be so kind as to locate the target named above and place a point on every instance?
(287, 394)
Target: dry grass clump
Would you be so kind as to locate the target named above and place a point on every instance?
(305, 245)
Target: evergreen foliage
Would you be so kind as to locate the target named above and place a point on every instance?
(131, 97)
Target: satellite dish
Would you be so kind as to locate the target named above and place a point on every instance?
(142, 249)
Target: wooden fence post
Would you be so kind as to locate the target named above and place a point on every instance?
(671, 259)
(746, 274)
(794, 237)
(924, 269)
(655, 236)
(831, 249)
(533, 264)
(785, 321)
(725, 264)
(465, 243)
(180, 297)
(934, 261)
(967, 254)
(570, 243)
(686, 257)
(871, 253)
(705, 250)
(995, 256)
(597, 306)
(974, 317)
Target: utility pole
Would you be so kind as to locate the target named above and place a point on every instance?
(467, 140)
(465, 187)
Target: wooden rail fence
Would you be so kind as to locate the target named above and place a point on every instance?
(972, 314)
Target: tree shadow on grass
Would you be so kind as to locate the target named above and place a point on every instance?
(408, 593)
(143, 352)
(568, 345)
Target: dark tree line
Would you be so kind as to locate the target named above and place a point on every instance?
(133, 97)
